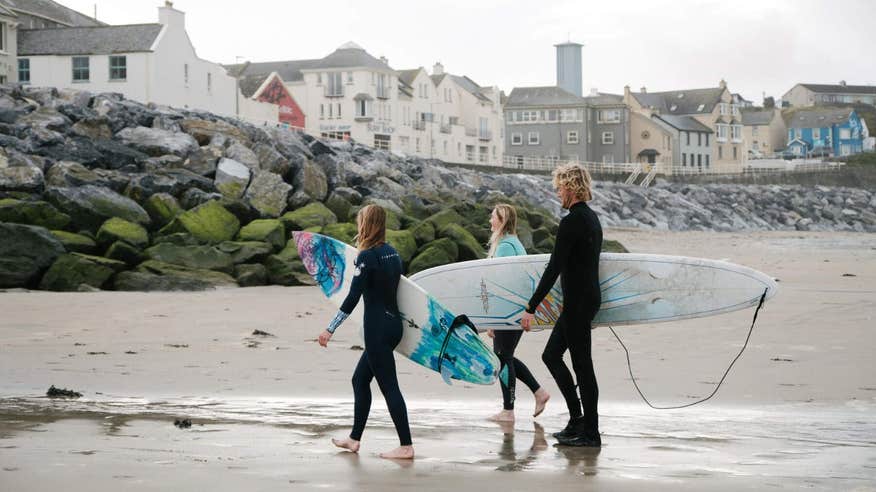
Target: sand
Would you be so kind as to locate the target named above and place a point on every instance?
(797, 410)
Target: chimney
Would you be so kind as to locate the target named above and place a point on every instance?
(643, 90)
(594, 92)
(384, 60)
(842, 83)
(626, 91)
(171, 17)
(438, 69)
(722, 84)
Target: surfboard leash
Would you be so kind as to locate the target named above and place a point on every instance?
(718, 386)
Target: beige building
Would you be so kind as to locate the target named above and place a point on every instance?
(764, 132)
(803, 95)
(709, 117)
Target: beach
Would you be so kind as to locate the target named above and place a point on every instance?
(798, 409)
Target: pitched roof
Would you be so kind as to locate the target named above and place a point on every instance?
(818, 118)
(686, 123)
(751, 118)
(687, 101)
(843, 89)
(437, 79)
(6, 11)
(408, 76)
(603, 99)
(542, 96)
(51, 10)
(290, 71)
(470, 86)
(100, 40)
(350, 55)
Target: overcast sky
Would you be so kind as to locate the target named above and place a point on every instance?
(758, 46)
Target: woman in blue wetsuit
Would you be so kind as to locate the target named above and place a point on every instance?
(376, 277)
(504, 242)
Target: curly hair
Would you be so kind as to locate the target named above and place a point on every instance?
(575, 178)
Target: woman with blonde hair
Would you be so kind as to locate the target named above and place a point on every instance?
(376, 278)
(504, 242)
(575, 260)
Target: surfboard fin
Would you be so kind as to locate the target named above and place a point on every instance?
(446, 375)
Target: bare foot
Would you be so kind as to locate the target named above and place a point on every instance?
(399, 453)
(351, 445)
(503, 416)
(541, 399)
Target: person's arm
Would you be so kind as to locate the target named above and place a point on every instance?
(356, 288)
(556, 264)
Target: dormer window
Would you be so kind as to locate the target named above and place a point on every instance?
(681, 95)
(700, 108)
(673, 107)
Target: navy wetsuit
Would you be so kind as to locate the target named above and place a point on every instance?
(576, 260)
(376, 279)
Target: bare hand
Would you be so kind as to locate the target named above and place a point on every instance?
(491, 333)
(526, 321)
(324, 338)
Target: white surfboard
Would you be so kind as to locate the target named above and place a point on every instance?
(636, 288)
(432, 336)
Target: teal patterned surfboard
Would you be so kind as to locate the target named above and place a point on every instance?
(433, 336)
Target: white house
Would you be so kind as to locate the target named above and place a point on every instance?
(351, 94)
(145, 62)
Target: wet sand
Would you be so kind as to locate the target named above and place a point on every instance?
(798, 409)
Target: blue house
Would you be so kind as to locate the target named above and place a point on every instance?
(825, 132)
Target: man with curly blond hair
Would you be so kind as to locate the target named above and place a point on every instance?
(575, 260)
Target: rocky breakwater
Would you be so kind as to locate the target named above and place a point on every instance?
(731, 207)
(99, 192)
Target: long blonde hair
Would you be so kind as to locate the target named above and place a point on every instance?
(507, 225)
(575, 178)
(371, 225)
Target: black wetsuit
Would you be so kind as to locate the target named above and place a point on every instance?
(376, 279)
(576, 260)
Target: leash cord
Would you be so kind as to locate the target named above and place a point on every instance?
(718, 386)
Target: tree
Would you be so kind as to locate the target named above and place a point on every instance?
(769, 102)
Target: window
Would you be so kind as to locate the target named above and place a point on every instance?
(707, 161)
(533, 138)
(445, 147)
(570, 115)
(722, 108)
(754, 131)
(209, 82)
(552, 115)
(186, 74)
(516, 139)
(80, 69)
(687, 136)
(700, 108)
(2, 36)
(339, 110)
(720, 152)
(722, 133)
(362, 108)
(609, 116)
(336, 135)
(736, 133)
(816, 134)
(381, 142)
(572, 137)
(734, 153)
(700, 160)
(335, 86)
(318, 79)
(118, 67)
(321, 111)
(382, 87)
(699, 139)
(349, 77)
(845, 133)
(683, 159)
(417, 142)
(529, 116)
(330, 107)
(24, 70)
(607, 138)
(707, 139)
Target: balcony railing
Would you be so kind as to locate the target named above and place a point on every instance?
(419, 125)
(485, 135)
(383, 93)
(334, 91)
